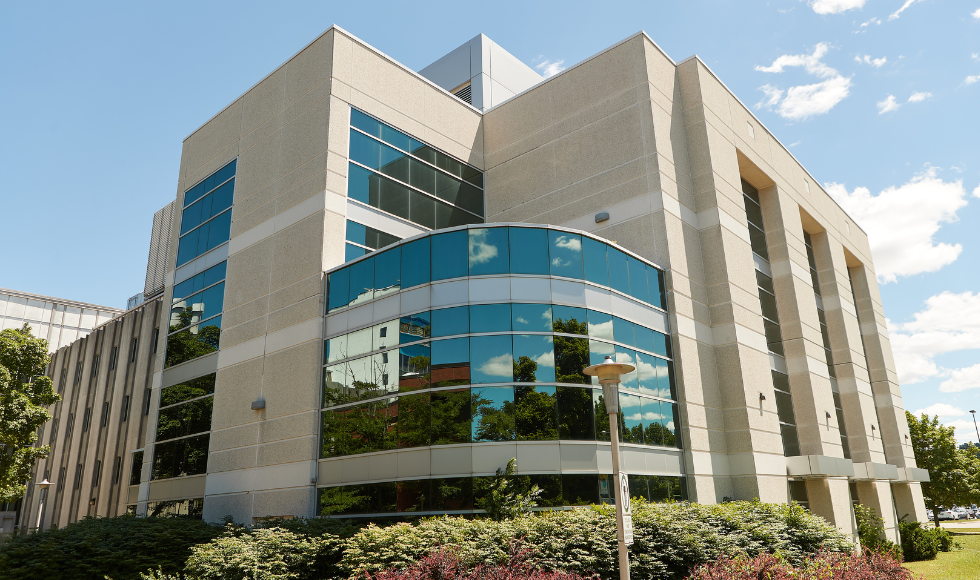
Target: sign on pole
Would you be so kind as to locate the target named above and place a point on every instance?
(624, 494)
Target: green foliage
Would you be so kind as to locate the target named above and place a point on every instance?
(954, 473)
(669, 538)
(504, 499)
(919, 543)
(871, 531)
(25, 394)
(93, 548)
(262, 554)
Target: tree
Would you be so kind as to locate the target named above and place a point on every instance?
(954, 473)
(504, 500)
(25, 394)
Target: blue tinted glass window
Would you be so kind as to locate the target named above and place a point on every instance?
(449, 255)
(450, 362)
(534, 358)
(595, 262)
(395, 137)
(387, 271)
(220, 231)
(222, 197)
(627, 356)
(493, 414)
(531, 317)
(394, 163)
(215, 273)
(450, 321)
(213, 300)
(663, 379)
(356, 233)
(414, 366)
(490, 318)
(187, 247)
(566, 254)
(190, 218)
(623, 331)
(225, 172)
(655, 282)
(415, 263)
(491, 359)
(528, 251)
(414, 327)
(352, 252)
(631, 419)
(488, 252)
(598, 351)
(338, 289)
(362, 281)
(365, 123)
(638, 280)
(646, 374)
(661, 344)
(644, 338)
(619, 277)
(570, 320)
(360, 182)
(600, 325)
(193, 194)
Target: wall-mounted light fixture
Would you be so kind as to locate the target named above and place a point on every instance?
(762, 397)
(828, 415)
(258, 404)
(602, 216)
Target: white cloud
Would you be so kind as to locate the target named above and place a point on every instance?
(875, 62)
(975, 56)
(949, 323)
(919, 97)
(835, 6)
(908, 3)
(498, 366)
(962, 380)
(942, 410)
(888, 105)
(976, 192)
(870, 22)
(901, 222)
(973, 79)
(803, 101)
(549, 68)
(481, 252)
(976, 14)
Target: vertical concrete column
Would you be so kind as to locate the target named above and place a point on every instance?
(909, 502)
(830, 499)
(878, 495)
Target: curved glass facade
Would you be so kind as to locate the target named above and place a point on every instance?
(492, 371)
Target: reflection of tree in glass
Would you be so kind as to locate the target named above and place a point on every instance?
(413, 420)
(536, 413)
(455, 493)
(360, 429)
(187, 345)
(187, 391)
(575, 415)
(524, 370)
(451, 417)
(632, 434)
(570, 326)
(657, 434)
(495, 423)
(420, 374)
(571, 356)
(601, 418)
(337, 392)
(186, 419)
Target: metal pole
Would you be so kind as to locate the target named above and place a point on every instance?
(624, 557)
(974, 413)
(40, 510)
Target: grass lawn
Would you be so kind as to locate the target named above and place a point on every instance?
(961, 564)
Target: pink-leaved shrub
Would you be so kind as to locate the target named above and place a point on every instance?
(868, 565)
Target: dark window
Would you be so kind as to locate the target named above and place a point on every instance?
(187, 390)
(105, 414)
(493, 414)
(184, 419)
(181, 457)
(193, 342)
(95, 365)
(146, 401)
(86, 419)
(124, 413)
(97, 473)
(155, 340)
(136, 469)
(134, 349)
(71, 424)
(113, 357)
(116, 470)
(78, 371)
(78, 476)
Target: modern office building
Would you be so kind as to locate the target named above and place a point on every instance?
(382, 284)
(56, 320)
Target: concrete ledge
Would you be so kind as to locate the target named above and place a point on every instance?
(876, 471)
(819, 466)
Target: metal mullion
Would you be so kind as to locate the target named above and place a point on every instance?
(169, 334)
(408, 185)
(185, 402)
(204, 222)
(198, 434)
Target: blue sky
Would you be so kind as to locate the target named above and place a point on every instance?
(879, 99)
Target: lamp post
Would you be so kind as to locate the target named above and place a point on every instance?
(44, 485)
(609, 372)
(974, 413)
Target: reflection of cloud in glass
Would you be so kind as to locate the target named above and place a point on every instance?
(558, 262)
(651, 416)
(498, 366)
(521, 320)
(633, 417)
(646, 371)
(546, 359)
(569, 243)
(604, 329)
(633, 401)
(480, 251)
(602, 348)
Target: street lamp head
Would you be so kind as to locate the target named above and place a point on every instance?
(609, 370)
(44, 484)
(972, 412)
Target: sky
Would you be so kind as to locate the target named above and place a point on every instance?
(878, 99)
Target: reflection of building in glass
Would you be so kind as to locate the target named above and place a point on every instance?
(352, 263)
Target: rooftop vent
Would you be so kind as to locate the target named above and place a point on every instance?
(464, 93)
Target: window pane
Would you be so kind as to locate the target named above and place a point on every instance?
(490, 318)
(186, 419)
(413, 496)
(661, 344)
(491, 359)
(356, 233)
(646, 374)
(488, 251)
(663, 379)
(359, 342)
(193, 194)
(570, 320)
(639, 487)
(394, 163)
(754, 213)
(627, 356)
(359, 183)
(448, 216)
(655, 415)
(413, 420)
(451, 494)
(655, 280)
(414, 367)
(534, 358)
(791, 442)
(595, 263)
(768, 302)
(600, 325)
(187, 390)
(531, 317)
(220, 231)
(580, 489)
(190, 218)
(387, 272)
(422, 176)
(395, 137)
(619, 278)
(773, 337)
(644, 338)
(764, 282)
(528, 251)
(784, 408)
(193, 342)
(758, 241)
(422, 210)
(565, 251)
(451, 362)
(449, 255)
(451, 417)
(365, 123)
(362, 281)
(536, 411)
(630, 419)
(598, 351)
(187, 247)
(601, 415)
(222, 197)
(394, 198)
(415, 263)
(638, 280)
(414, 327)
(623, 331)
(451, 321)
(352, 252)
(571, 357)
(493, 414)
(575, 414)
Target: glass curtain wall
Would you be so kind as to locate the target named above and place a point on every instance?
(362, 239)
(770, 316)
(815, 279)
(183, 429)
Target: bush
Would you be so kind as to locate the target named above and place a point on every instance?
(918, 543)
(669, 538)
(90, 549)
(445, 565)
(871, 532)
(262, 554)
(867, 566)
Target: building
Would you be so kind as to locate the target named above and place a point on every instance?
(56, 320)
(347, 337)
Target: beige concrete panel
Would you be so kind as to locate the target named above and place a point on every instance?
(714, 95)
(218, 134)
(578, 155)
(231, 459)
(261, 132)
(304, 137)
(264, 100)
(318, 93)
(258, 167)
(599, 78)
(878, 496)
(287, 451)
(660, 70)
(297, 251)
(237, 506)
(301, 174)
(235, 389)
(333, 242)
(387, 83)
(446, 116)
(909, 502)
(288, 427)
(245, 312)
(310, 67)
(294, 314)
(295, 502)
(248, 274)
(243, 223)
(300, 193)
(297, 292)
(519, 118)
(292, 380)
(521, 180)
(230, 336)
(829, 498)
(235, 437)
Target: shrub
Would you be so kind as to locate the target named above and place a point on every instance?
(669, 538)
(871, 532)
(93, 548)
(263, 554)
(445, 565)
(867, 566)
(918, 543)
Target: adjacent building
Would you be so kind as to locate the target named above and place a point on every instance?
(56, 320)
(380, 285)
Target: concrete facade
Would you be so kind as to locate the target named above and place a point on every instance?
(660, 147)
